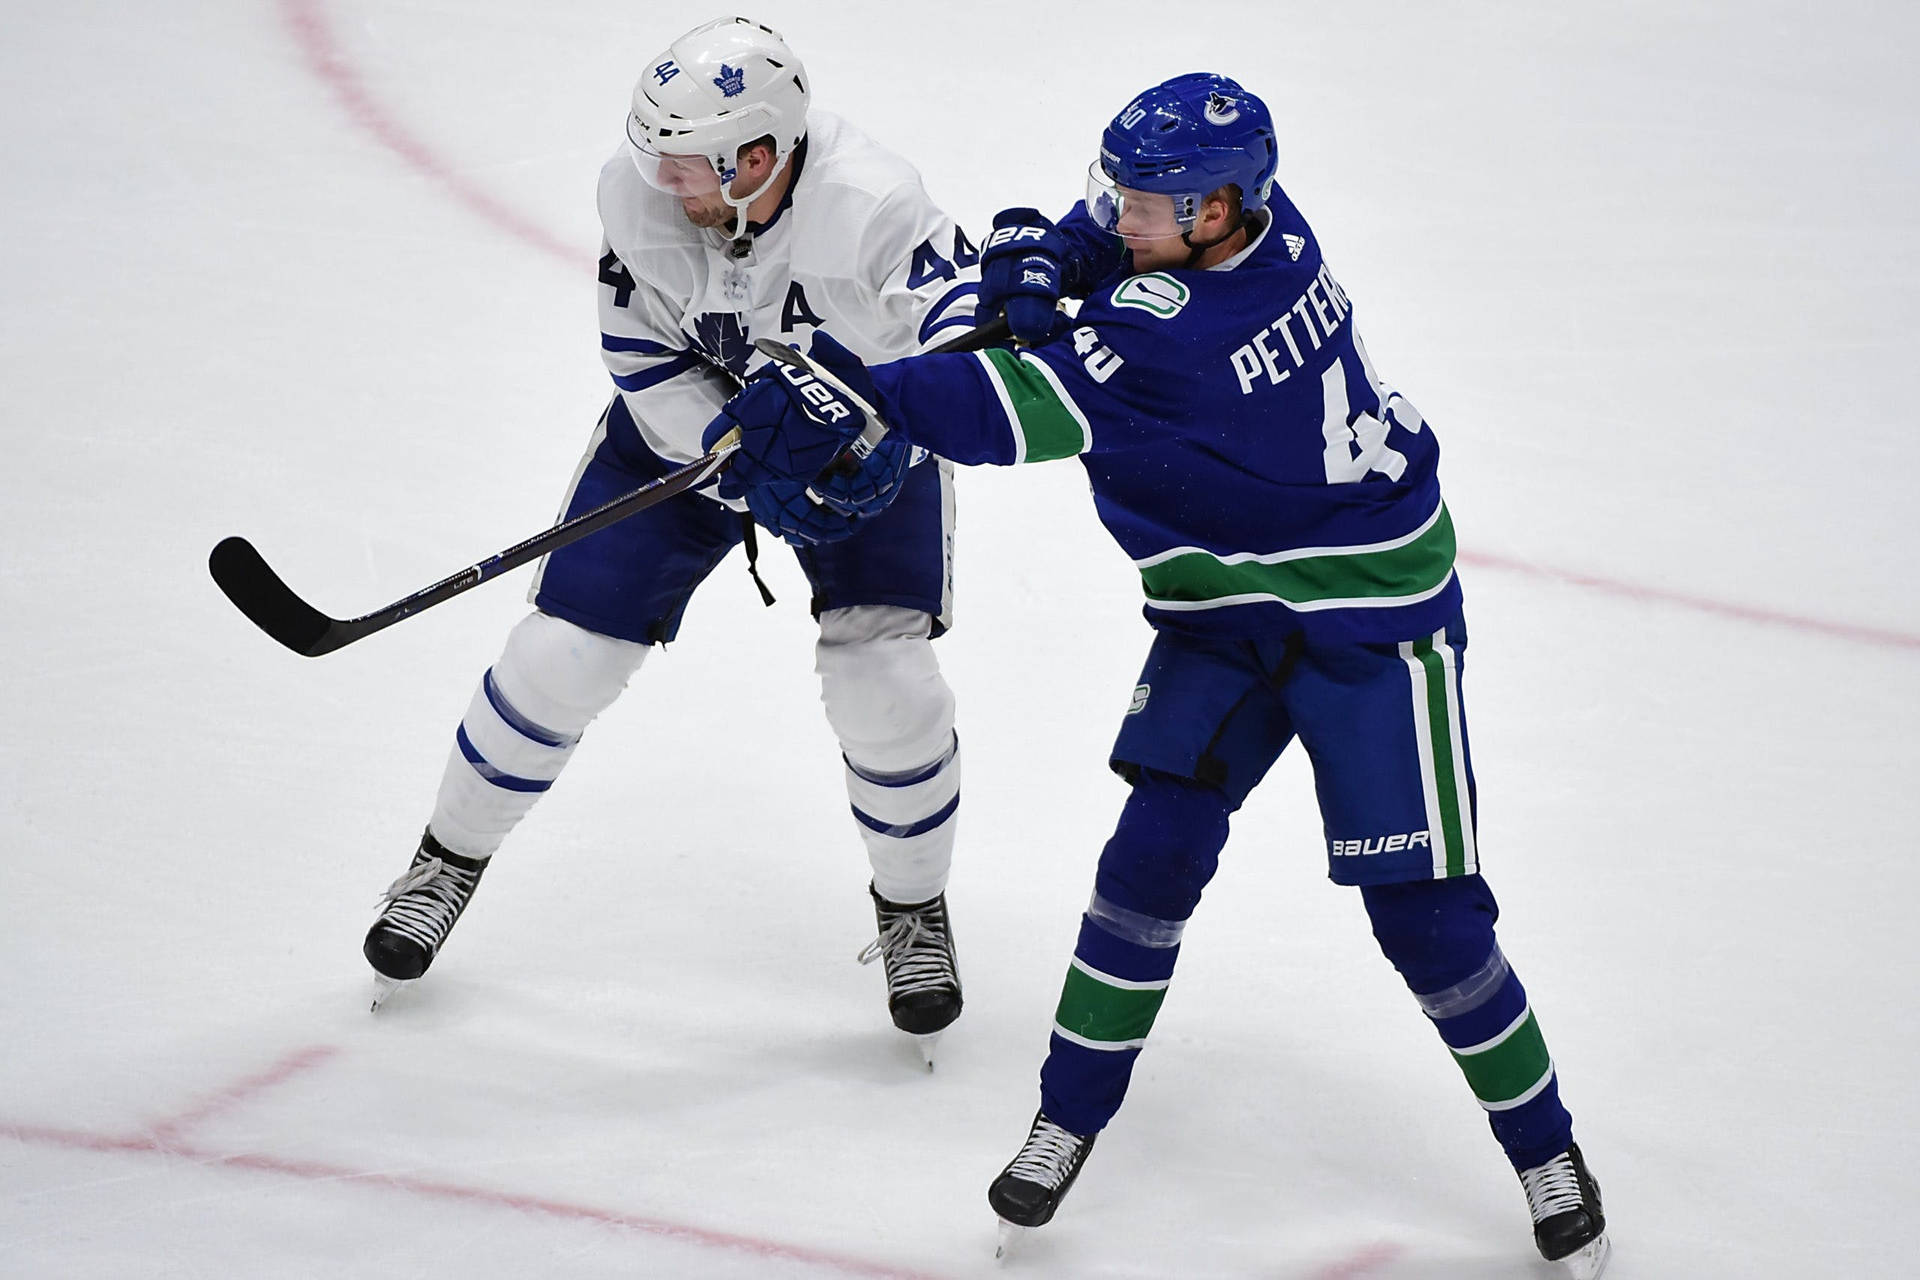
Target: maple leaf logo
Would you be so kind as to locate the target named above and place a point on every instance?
(721, 336)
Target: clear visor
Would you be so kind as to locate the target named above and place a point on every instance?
(676, 175)
(1134, 215)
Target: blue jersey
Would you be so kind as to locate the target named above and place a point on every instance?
(1241, 448)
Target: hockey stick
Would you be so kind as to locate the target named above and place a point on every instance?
(270, 604)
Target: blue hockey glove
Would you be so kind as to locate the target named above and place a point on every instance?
(1022, 270)
(784, 507)
(792, 425)
(864, 486)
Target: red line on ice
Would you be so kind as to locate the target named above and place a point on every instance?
(321, 1171)
(1746, 613)
(1368, 1259)
(240, 1090)
(308, 21)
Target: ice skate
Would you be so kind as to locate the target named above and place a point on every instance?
(1029, 1189)
(1568, 1225)
(923, 980)
(419, 911)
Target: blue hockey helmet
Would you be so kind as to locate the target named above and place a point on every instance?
(1186, 138)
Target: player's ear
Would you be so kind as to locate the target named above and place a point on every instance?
(1221, 208)
(756, 158)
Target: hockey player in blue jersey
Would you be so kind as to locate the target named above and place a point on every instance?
(1283, 507)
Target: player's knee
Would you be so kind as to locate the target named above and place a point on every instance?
(1435, 932)
(882, 688)
(1165, 847)
(559, 675)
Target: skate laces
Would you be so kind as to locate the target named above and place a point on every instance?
(1553, 1187)
(424, 903)
(1048, 1156)
(417, 874)
(915, 950)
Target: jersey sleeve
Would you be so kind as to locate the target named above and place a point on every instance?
(1078, 394)
(671, 389)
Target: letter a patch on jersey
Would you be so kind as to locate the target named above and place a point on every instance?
(797, 311)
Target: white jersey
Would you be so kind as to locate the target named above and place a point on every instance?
(857, 249)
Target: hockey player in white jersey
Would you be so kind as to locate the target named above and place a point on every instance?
(734, 211)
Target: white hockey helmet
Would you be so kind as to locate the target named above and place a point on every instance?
(715, 89)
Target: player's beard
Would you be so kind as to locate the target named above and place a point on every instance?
(705, 215)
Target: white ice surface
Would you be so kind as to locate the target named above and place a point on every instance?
(319, 272)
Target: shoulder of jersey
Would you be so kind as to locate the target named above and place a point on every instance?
(1156, 310)
(841, 157)
(850, 193)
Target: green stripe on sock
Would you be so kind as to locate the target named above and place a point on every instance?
(1510, 1068)
(1447, 791)
(1094, 1010)
(1049, 427)
(1412, 570)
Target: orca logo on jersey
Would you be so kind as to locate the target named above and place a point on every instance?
(818, 400)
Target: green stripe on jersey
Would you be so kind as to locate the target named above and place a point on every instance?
(1046, 423)
(1506, 1069)
(1404, 571)
(1093, 1008)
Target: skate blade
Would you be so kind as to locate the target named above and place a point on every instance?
(383, 986)
(1010, 1235)
(926, 1045)
(1589, 1260)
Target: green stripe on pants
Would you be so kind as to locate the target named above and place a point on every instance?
(1110, 1016)
(1440, 725)
(1509, 1067)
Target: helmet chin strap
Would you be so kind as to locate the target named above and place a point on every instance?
(1196, 251)
(740, 207)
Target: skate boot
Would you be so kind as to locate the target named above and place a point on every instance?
(1568, 1226)
(1028, 1190)
(923, 980)
(420, 909)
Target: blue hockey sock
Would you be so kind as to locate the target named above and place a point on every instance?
(1439, 935)
(1108, 1002)
(1152, 871)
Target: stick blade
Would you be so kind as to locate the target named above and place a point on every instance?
(270, 604)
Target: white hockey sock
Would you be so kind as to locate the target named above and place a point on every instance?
(521, 728)
(908, 820)
(893, 713)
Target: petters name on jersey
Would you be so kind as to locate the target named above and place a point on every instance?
(1301, 329)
